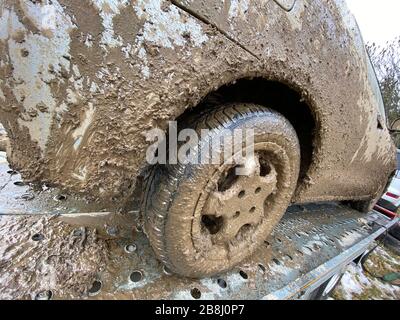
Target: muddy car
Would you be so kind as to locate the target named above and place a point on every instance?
(82, 82)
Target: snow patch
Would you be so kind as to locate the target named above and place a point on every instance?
(349, 283)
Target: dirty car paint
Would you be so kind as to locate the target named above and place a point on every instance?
(80, 81)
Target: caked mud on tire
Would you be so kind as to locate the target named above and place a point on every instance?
(203, 219)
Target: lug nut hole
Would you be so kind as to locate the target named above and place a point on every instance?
(212, 224)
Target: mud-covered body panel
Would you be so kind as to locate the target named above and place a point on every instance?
(81, 81)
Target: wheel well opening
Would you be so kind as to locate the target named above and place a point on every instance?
(273, 95)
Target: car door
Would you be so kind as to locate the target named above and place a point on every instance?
(243, 21)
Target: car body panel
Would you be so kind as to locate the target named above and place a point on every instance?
(81, 81)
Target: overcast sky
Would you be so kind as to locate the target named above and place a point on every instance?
(379, 20)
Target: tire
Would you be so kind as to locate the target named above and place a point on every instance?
(179, 200)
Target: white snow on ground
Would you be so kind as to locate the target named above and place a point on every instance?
(353, 282)
(358, 285)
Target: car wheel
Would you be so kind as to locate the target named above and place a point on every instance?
(204, 219)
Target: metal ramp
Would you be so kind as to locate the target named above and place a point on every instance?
(307, 239)
(47, 254)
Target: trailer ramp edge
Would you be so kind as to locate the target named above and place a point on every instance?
(306, 284)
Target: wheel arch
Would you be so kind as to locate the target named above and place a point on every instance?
(292, 102)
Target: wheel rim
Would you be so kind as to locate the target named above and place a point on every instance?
(241, 205)
(223, 235)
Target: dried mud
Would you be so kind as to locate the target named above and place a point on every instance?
(42, 257)
(50, 249)
(184, 194)
(79, 89)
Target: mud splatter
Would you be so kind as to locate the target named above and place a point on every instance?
(37, 255)
(143, 63)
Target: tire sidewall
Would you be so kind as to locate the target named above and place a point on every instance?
(183, 254)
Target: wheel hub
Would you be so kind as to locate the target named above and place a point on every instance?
(242, 204)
